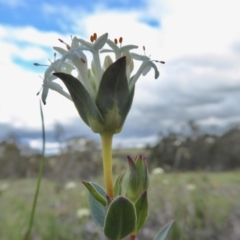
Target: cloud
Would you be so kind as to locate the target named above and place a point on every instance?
(200, 80)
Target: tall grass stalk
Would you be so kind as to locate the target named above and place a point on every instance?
(31, 220)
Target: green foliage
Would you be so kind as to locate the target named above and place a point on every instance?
(121, 218)
(97, 208)
(84, 104)
(57, 207)
(199, 151)
(136, 177)
(94, 193)
(164, 231)
(114, 99)
(118, 185)
(141, 207)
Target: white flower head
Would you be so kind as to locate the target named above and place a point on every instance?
(82, 213)
(48, 79)
(102, 91)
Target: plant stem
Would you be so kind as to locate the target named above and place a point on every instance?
(132, 237)
(28, 233)
(106, 139)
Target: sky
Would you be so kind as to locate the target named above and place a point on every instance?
(198, 40)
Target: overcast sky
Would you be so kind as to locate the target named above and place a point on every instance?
(198, 39)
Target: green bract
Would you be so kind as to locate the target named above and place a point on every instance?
(102, 93)
(110, 108)
(136, 177)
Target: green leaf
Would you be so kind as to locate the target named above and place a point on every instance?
(121, 219)
(118, 185)
(95, 193)
(128, 104)
(164, 232)
(98, 211)
(113, 94)
(141, 207)
(85, 105)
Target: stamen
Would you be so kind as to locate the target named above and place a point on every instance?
(92, 39)
(40, 88)
(38, 64)
(67, 46)
(39, 91)
(95, 36)
(83, 60)
(120, 41)
(115, 41)
(159, 61)
(144, 50)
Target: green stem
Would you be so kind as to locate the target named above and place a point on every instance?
(106, 139)
(28, 233)
(132, 237)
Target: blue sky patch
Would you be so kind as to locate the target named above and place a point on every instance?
(47, 15)
(151, 22)
(28, 65)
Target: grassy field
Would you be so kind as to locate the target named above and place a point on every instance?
(204, 205)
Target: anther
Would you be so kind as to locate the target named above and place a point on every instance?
(120, 40)
(95, 36)
(92, 38)
(159, 61)
(67, 46)
(115, 41)
(83, 60)
(38, 64)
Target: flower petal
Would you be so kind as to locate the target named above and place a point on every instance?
(106, 51)
(100, 42)
(57, 87)
(144, 69)
(60, 50)
(75, 43)
(139, 57)
(85, 43)
(112, 45)
(128, 48)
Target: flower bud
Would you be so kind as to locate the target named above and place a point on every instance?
(136, 177)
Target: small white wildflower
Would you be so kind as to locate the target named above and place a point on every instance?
(82, 212)
(70, 185)
(190, 187)
(102, 91)
(157, 171)
(4, 187)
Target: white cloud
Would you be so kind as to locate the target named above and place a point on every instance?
(197, 39)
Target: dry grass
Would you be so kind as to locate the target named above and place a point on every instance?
(204, 205)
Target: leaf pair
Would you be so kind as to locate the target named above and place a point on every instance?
(121, 217)
(107, 110)
(118, 220)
